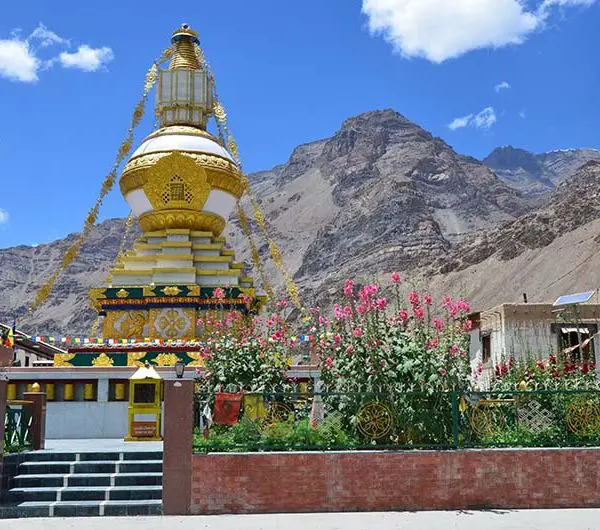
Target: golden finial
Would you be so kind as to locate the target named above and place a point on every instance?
(184, 54)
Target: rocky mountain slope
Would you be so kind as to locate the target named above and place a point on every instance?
(537, 173)
(381, 194)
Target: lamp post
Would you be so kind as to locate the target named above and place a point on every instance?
(179, 369)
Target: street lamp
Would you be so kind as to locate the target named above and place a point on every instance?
(179, 369)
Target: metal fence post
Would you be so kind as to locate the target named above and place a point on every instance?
(455, 419)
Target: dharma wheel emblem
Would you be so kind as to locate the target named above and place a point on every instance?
(583, 417)
(375, 420)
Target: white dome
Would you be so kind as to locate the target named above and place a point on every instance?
(181, 142)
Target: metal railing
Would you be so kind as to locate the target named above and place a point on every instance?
(442, 420)
(17, 425)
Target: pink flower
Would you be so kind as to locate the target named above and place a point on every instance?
(431, 344)
(463, 305)
(357, 332)
(348, 311)
(339, 313)
(438, 324)
(381, 303)
(446, 302)
(413, 298)
(282, 303)
(349, 288)
(323, 321)
(396, 277)
(468, 325)
(419, 313)
(337, 339)
(362, 309)
(404, 315)
(349, 349)
(219, 293)
(427, 299)
(443, 371)
(328, 362)
(454, 349)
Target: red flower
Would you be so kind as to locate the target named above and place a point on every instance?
(427, 299)
(396, 277)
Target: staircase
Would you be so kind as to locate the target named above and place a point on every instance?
(54, 484)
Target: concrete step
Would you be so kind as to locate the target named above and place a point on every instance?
(81, 508)
(49, 456)
(89, 479)
(88, 493)
(92, 466)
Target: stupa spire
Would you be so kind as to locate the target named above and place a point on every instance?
(185, 89)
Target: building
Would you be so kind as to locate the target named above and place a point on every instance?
(533, 331)
(28, 352)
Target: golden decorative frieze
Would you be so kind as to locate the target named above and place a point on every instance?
(122, 293)
(171, 322)
(171, 290)
(160, 220)
(102, 361)
(63, 359)
(166, 359)
(135, 358)
(124, 324)
(196, 357)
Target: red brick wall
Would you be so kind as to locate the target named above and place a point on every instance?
(408, 480)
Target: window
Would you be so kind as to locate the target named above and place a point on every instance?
(569, 342)
(486, 348)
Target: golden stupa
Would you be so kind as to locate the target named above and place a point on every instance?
(181, 184)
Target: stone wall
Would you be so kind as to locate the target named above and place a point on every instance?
(404, 480)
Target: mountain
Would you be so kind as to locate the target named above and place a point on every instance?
(537, 173)
(381, 194)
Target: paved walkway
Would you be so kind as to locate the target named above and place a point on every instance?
(491, 520)
(110, 445)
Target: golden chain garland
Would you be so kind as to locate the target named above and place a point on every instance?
(107, 185)
(224, 133)
(118, 259)
(255, 255)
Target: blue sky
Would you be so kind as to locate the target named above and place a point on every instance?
(288, 73)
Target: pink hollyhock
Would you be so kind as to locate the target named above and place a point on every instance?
(432, 343)
(381, 303)
(468, 325)
(339, 313)
(323, 321)
(219, 293)
(413, 298)
(328, 362)
(443, 371)
(419, 313)
(349, 349)
(357, 332)
(427, 299)
(447, 301)
(396, 277)
(282, 303)
(463, 305)
(337, 339)
(454, 349)
(362, 309)
(348, 311)
(349, 288)
(404, 315)
(438, 324)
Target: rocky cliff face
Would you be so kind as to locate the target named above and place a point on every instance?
(381, 194)
(537, 173)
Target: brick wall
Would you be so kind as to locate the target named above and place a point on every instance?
(407, 480)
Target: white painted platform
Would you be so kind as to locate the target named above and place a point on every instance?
(107, 445)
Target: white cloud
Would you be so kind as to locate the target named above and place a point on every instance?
(522, 114)
(20, 58)
(86, 58)
(501, 86)
(485, 119)
(438, 30)
(17, 61)
(47, 37)
(3, 216)
(459, 123)
(482, 120)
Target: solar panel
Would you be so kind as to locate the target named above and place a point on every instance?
(572, 299)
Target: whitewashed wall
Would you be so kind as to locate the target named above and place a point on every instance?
(86, 419)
